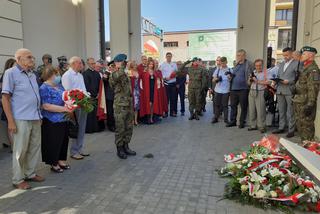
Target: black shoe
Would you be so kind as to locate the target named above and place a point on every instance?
(191, 116)
(214, 120)
(120, 152)
(204, 110)
(182, 113)
(5, 145)
(128, 151)
(231, 125)
(85, 154)
(252, 129)
(290, 135)
(279, 131)
(241, 126)
(112, 128)
(262, 131)
(56, 169)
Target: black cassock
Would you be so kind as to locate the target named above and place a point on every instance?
(92, 81)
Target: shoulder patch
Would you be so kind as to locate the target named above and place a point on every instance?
(316, 76)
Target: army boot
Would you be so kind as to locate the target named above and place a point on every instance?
(128, 151)
(191, 115)
(196, 116)
(121, 153)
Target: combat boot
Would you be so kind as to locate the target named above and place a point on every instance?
(128, 151)
(196, 116)
(121, 153)
(191, 116)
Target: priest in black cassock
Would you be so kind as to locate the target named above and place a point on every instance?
(92, 80)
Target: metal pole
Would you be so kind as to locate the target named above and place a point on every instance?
(295, 14)
(102, 30)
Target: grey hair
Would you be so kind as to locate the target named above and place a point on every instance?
(19, 52)
(242, 51)
(74, 59)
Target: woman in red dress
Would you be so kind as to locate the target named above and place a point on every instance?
(150, 93)
(163, 97)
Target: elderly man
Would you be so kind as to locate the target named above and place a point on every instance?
(21, 103)
(73, 79)
(305, 99)
(285, 90)
(240, 89)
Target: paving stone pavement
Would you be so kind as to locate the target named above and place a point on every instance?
(181, 177)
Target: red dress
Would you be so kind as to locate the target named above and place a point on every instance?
(145, 95)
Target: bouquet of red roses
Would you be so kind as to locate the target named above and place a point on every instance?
(76, 98)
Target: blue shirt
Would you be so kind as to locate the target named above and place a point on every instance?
(24, 90)
(222, 87)
(50, 95)
(239, 81)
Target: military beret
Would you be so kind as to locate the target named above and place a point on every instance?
(120, 58)
(62, 58)
(46, 56)
(195, 59)
(308, 48)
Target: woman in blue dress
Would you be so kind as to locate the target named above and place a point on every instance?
(54, 131)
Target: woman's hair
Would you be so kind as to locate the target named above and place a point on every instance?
(132, 65)
(9, 64)
(48, 72)
(149, 62)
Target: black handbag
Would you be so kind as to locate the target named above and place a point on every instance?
(73, 126)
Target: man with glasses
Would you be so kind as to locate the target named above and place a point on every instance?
(21, 103)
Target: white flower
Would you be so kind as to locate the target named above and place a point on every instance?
(250, 164)
(275, 172)
(279, 182)
(256, 178)
(267, 187)
(239, 166)
(258, 157)
(273, 194)
(261, 194)
(244, 161)
(286, 188)
(264, 172)
(244, 188)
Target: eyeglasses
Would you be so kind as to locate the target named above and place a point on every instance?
(29, 57)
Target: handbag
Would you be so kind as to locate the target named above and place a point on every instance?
(73, 127)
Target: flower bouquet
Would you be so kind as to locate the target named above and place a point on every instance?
(266, 177)
(77, 98)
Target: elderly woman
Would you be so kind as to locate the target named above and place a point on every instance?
(54, 144)
(257, 106)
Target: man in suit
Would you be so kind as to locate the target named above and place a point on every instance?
(285, 91)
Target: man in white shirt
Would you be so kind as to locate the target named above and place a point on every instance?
(168, 70)
(73, 79)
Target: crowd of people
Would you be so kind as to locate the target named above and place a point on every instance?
(128, 93)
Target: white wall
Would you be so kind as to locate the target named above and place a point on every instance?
(11, 37)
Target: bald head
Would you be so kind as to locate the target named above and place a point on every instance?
(24, 58)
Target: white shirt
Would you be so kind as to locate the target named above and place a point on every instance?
(72, 80)
(167, 69)
(286, 64)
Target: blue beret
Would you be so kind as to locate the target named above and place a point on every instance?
(120, 58)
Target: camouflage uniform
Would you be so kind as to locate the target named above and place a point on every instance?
(197, 82)
(205, 89)
(40, 70)
(123, 109)
(305, 101)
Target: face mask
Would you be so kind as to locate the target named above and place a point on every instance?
(57, 80)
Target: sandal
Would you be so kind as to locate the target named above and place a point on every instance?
(67, 166)
(56, 170)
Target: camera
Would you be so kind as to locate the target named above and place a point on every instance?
(219, 79)
(252, 76)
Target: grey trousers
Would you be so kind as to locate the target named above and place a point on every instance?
(257, 109)
(286, 112)
(77, 144)
(26, 149)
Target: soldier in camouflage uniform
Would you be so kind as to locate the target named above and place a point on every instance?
(63, 64)
(123, 109)
(197, 82)
(206, 85)
(47, 61)
(305, 99)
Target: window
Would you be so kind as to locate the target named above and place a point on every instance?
(284, 15)
(187, 43)
(170, 44)
(284, 38)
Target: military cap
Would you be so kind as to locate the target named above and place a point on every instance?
(62, 58)
(111, 62)
(101, 61)
(309, 48)
(46, 56)
(120, 58)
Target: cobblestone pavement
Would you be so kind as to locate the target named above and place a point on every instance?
(181, 177)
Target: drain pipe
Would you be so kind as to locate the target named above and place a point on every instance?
(102, 30)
